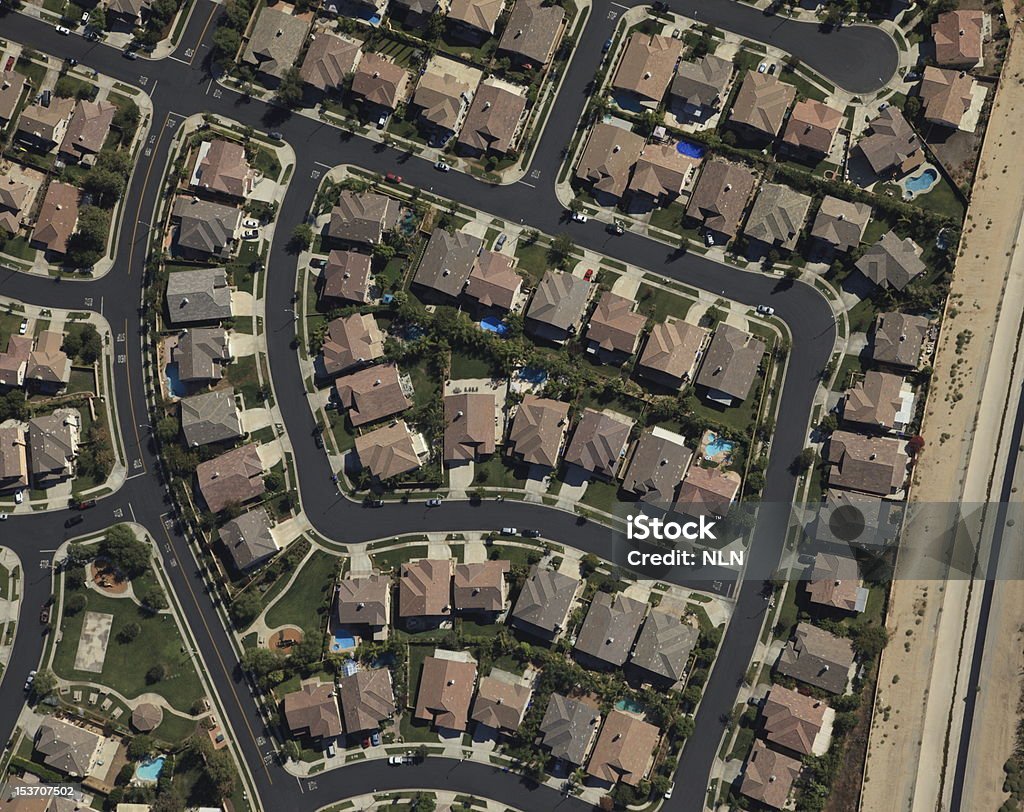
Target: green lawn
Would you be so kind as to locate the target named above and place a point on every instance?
(35, 73)
(659, 303)
(849, 366)
(465, 365)
(602, 495)
(82, 380)
(533, 260)
(241, 374)
(5, 583)
(19, 248)
(174, 729)
(516, 555)
(309, 593)
(496, 472)
(802, 85)
(392, 558)
(670, 218)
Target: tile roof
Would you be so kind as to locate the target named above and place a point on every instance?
(762, 103)
(875, 401)
(892, 143)
(448, 261)
(891, 262)
(276, 41)
(544, 601)
(841, 223)
(647, 65)
(818, 658)
(222, 167)
(777, 216)
(792, 719)
(532, 31)
(346, 276)
(481, 587)
(364, 600)
(812, 126)
(599, 442)
(46, 124)
(14, 197)
(388, 451)
(362, 217)
(708, 491)
(624, 750)
(958, 37)
(201, 354)
(662, 170)
(493, 119)
(731, 362)
(313, 710)
(493, 282)
(559, 300)
(12, 84)
(501, 701)
(351, 341)
(13, 457)
(468, 426)
(720, 196)
(479, 14)
(329, 60)
(372, 394)
(875, 465)
(702, 83)
(768, 777)
(898, 338)
(204, 226)
(615, 326)
(610, 155)
(88, 128)
(446, 689)
(48, 363)
(367, 699)
(538, 429)
(53, 445)
(441, 98)
(657, 466)
(835, 581)
(610, 627)
(946, 95)
(425, 588)
(234, 477)
(380, 81)
(57, 217)
(673, 348)
(66, 747)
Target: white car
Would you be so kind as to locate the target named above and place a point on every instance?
(23, 328)
(19, 497)
(62, 30)
(765, 310)
(435, 502)
(394, 760)
(709, 239)
(762, 67)
(668, 792)
(580, 217)
(3, 517)
(509, 531)
(381, 122)
(441, 166)
(250, 234)
(250, 222)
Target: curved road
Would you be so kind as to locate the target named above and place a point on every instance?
(179, 89)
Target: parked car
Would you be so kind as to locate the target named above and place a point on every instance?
(616, 228)
(250, 234)
(250, 222)
(531, 534)
(332, 751)
(84, 18)
(10, 64)
(85, 504)
(23, 328)
(375, 738)
(509, 531)
(44, 614)
(130, 55)
(319, 441)
(62, 30)
(366, 741)
(588, 275)
(435, 502)
(762, 67)
(771, 69)
(277, 135)
(709, 239)
(381, 122)
(765, 310)
(394, 760)
(498, 243)
(391, 177)
(71, 61)
(3, 517)
(668, 792)
(69, 523)
(912, 76)
(606, 47)
(19, 497)
(579, 217)
(441, 166)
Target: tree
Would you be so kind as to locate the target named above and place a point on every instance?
(87, 244)
(245, 608)
(221, 772)
(126, 119)
(75, 604)
(868, 641)
(125, 552)
(588, 564)
(302, 238)
(91, 344)
(129, 632)
(274, 481)
(167, 430)
(291, 750)
(98, 18)
(106, 185)
(561, 249)
(289, 91)
(156, 674)
(154, 599)
(226, 42)
(44, 684)
(139, 747)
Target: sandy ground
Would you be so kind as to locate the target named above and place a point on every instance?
(926, 618)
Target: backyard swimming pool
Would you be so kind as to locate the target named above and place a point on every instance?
(690, 150)
(921, 182)
(715, 445)
(148, 771)
(174, 387)
(629, 705)
(492, 324)
(343, 639)
(533, 375)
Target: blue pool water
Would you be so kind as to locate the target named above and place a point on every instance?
(344, 639)
(149, 770)
(690, 150)
(174, 387)
(493, 324)
(533, 375)
(920, 183)
(629, 705)
(717, 446)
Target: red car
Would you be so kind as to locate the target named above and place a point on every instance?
(10, 63)
(366, 742)
(588, 275)
(391, 177)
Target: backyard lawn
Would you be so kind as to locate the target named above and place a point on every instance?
(308, 594)
(659, 303)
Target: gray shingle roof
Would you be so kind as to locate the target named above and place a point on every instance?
(569, 727)
(211, 417)
(891, 262)
(201, 354)
(248, 539)
(276, 41)
(610, 627)
(544, 601)
(731, 362)
(200, 295)
(664, 645)
(448, 261)
(205, 227)
(559, 300)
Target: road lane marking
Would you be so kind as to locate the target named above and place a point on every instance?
(145, 185)
(325, 166)
(182, 61)
(131, 401)
(203, 34)
(619, 5)
(526, 184)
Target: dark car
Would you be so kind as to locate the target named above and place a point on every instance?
(531, 534)
(660, 6)
(319, 441)
(74, 520)
(44, 613)
(606, 47)
(277, 135)
(85, 504)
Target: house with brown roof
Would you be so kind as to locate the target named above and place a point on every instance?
(362, 218)
(608, 159)
(201, 354)
(329, 61)
(699, 87)
(599, 442)
(57, 218)
(441, 99)
(659, 460)
(501, 701)
(351, 341)
(210, 417)
(761, 106)
(660, 174)
(491, 126)
(898, 339)
(569, 727)
(614, 328)
(425, 589)
(481, 587)
(538, 431)
(892, 147)
(720, 198)
(793, 721)
(891, 262)
(14, 361)
(811, 130)
(673, 350)
(473, 20)
(946, 96)
(53, 441)
(415, 14)
(493, 283)
(15, 203)
(876, 465)
(558, 305)
(313, 711)
(835, 583)
(48, 369)
(609, 629)
(365, 602)
(544, 603)
(248, 539)
(12, 85)
(233, 478)
(345, 279)
(958, 37)
(42, 128)
(708, 491)
(647, 66)
(469, 427)
(777, 218)
(532, 33)
(391, 450)
(768, 776)
(275, 43)
(447, 262)
(128, 14)
(819, 658)
(87, 131)
(880, 400)
(839, 224)
(372, 394)
(222, 168)
(624, 750)
(446, 690)
(664, 646)
(367, 699)
(379, 83)
(13, 458)
(730, 365)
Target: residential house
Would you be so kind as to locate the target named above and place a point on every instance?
(41, 127)
(205, 229)
(493, 283)
(569, 727)
(544, 603)
(880, 400)
(57, 218)
(481, 588)
(609, 157)
(660, 174)
(211, 417)
(958, 37)
(232, 478)
(127, 13)
(811, 130)
(768, 776)
(600, 441)
(345, 278)
(538, 431)
(558, 305)
(946, 96)
(835, 583)
(847, 516)
(624, 750)
(817, 657)
(672, 352)
(248, 539)
(614, 329)
(15, 200)
(699, 87)
(329, 61)
(424, 590)
(776, 218)
(891, 262)
(362, 218)
(469, 427)
(474, 20)
(12, 85)
(646, 68)
(609, 629)
(720, 198)
(839, 224)
(440, 99)
(48, 369)
(390, 451)
(372, 394)
(761, 105)
(708, 491)
(379, 83)
(491, 126)
(792, 720)
(532, 33)
(14, 362)
(198, 296)
(416, 14)
(501, 701)
(367, 699)
(730, 365)
(312, 711)
(876, 465)
(446, 689)
(13, 458)
(350, 341)
(53, 447)
(660, 458)
(87, 132)
(365, 602)
(892, 147)
(664, 646)
(898, 339)
(447, 262)
(221, 167)
(201, 354)
(275, 43)
(67, 748)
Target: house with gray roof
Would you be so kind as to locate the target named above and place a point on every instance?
(447, 263)
(366, 602)
(609, 629)
(558, 305)
(569, 728)
(248, 539)
(538, 430)
(664, 645)
(891, 262)
(12, 85)
(847, 516)
(202, 295)
(362, 217)
(699, 87)
(205, 229)
(839, 224)
(730, 365)
(600, 441)
(275, 42)
(53, 447)
(818, 658)
(544, 604)
(532, 32)
(898, 339)
(211, 417)
(659, 461)
(13, 458)
(67, 748)
(776, 218)
(201, 354)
